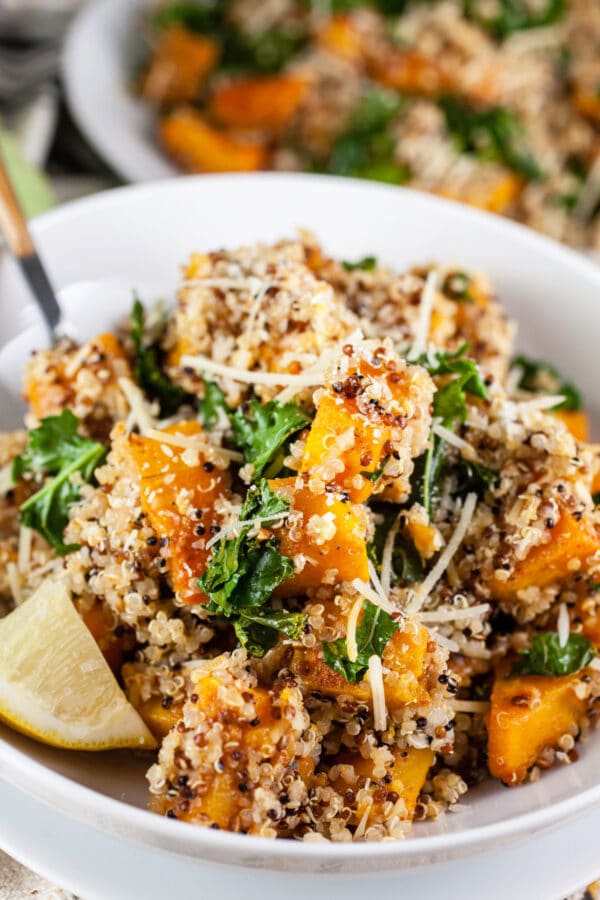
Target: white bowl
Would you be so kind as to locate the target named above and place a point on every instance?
(97, 250)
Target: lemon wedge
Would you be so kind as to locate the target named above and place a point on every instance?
(55, 685)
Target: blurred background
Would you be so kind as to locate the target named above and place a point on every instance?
(49, 160)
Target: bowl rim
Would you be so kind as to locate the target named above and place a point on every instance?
(78, 800)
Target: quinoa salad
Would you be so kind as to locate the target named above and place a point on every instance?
(338, 543)
(495, 103)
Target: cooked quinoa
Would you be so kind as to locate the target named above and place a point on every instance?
(339, 546)
(495, 103)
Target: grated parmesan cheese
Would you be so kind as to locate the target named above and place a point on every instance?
(6, 480)
(141, 411)
(375, 676)
(204, 364)
(470, 706)
(547, 401)
(454, 440)
(24, 553)
(426, 586)
(378, 599)
(386, 557)
(14, 583)
(563, 625)
(351, 645)
(448, 614)
(422, 330)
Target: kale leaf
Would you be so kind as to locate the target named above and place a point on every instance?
(494, 133)
(147, 367)
(547, 657)
(372, 634)
(212, 405)
(55, 449)
(475, 478)
(366, 148)
(449, 406)
(367, 264)
(261, 431)
(514, 15)
(542, 378)
(243, 573)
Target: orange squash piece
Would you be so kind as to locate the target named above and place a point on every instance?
(338, 415)
(345, 551)
(174, 487)
(576, 421)
(407, 772)
(219, 799)
(570, 540)
(340, 36)
(198, 147)
(180, 64)
(159, 719)
(495, 194)
(411, 72)
(588, 104)
(527, 714)
(403, 661)
(265, 103)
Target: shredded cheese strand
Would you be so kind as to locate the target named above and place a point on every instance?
(563, 625)
(191, 442)
(204, 364)
(547, 401)
(24, 552)
(386, 556)
(140, 409)
(445, 434)
(6, 480)
(367, 592)
(232, 527)
(426, 305)
(470, 706)
(447, 614)
(14, 583)
(375, 676)
(426, 586)
(351, 645)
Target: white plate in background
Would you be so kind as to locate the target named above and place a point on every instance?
(103, 49)
(99, 249)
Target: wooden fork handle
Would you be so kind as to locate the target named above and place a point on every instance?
(13, 224)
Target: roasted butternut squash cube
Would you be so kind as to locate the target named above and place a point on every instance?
(576, 421)
(265, 103)
(587, 103)
(178, 495)
(371, 413)
(325, 534)
(570, 541)
(411, 72)
(403, 662)
(407, 771)
(159, 719)
(198, 147)
(495, 191)
(527, 714)
(179, 66)
(340, 36)
(251, 727)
